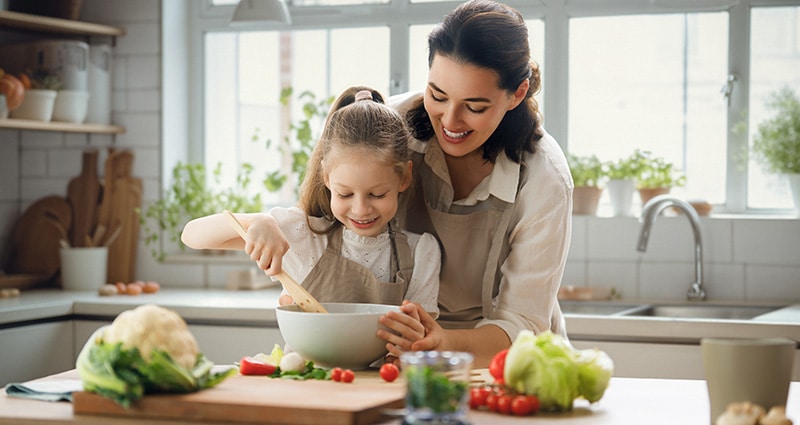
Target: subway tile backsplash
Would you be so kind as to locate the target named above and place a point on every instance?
(744, 259)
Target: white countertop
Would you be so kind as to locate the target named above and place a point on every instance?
(257, 308)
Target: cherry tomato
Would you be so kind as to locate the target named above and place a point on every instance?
(251, 366)
(336, 374)
(491, 401)
(389, 372)
(520, 405)
(504, 404)
(534, 402)
(348, 376)
(478, 396)
(498, 364)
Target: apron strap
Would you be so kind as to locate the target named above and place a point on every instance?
(492, 263)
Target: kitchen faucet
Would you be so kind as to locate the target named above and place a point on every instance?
(650, 211)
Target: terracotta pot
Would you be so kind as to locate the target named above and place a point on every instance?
(647, 193)
(585, 200)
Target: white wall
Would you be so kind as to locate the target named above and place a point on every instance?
(745, 259)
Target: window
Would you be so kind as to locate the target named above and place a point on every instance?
(628, 74)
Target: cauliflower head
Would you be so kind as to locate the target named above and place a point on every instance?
(149, 327)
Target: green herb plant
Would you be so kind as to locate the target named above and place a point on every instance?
(776, 144)
(586, 170)
(624, 168)
(655, 172)
(431, 389)
(192, 194)
(301, 138)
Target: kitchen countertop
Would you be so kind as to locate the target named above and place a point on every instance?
(627, 401)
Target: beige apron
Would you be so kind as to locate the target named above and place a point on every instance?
(478, 239)
(337, 279)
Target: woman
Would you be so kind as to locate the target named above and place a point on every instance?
(490, 184)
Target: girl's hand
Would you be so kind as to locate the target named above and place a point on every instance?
(408, 326)
(266, 244)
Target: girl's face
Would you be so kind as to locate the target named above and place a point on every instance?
(364, 191)
(465, 104)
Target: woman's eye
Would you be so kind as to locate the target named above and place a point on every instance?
(378, 196)
(436, 99)
(344, 195)
(476, 111)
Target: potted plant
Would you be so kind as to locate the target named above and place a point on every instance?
(656, 176)
(41, 88)
(622, 174)
(586, 174)
(191, 196)
(776, 143)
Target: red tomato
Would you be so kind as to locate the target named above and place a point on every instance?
(348, 376)
(389, 372)
(534, 402)
(504, 404)
(498, 364)
(336, 374)
(251, 366)
(491, 401)
(521, 405)
(478, 396)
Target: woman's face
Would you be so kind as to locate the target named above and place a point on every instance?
(465, 104)
(364, 191)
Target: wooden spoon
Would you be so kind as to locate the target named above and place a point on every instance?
(300, 295)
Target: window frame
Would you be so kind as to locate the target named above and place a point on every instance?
(202, 16)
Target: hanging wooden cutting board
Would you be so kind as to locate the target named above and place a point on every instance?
(263, 400)
(83, 194)
(34, 247)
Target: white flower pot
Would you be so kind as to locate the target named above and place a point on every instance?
(620, 192)
(794, 187)
(37, 105)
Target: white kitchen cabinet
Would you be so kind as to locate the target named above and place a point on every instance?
(221, 344)
(33, 351)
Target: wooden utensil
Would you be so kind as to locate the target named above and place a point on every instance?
(83, 194)
(301, 297)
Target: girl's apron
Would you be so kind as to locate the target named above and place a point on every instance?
(472, 244)
(337, 279)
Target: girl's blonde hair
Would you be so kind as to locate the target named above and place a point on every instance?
(357, 121)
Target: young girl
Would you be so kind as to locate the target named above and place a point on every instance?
(343, 245)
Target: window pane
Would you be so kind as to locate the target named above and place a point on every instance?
(774, 63)
(652, 83)
(244, 120)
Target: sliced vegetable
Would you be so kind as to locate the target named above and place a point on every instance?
(250, 366)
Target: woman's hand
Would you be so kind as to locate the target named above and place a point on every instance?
(266, 244)
(414, 329)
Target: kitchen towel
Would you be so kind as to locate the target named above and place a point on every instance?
(54, 390)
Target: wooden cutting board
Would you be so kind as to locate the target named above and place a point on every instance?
(263, 400)
(83, 194)
(34, 247)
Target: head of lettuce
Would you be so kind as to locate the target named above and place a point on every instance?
(145, 350)
(549, 367)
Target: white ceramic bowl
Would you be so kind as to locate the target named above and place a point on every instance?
(71, 106)
(37, 105)
(344, 337)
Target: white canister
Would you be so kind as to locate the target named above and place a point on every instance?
(84, 268)
(71, 106)
(99, 110)
(65, 59)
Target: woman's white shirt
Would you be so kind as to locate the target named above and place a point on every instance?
(374, 253)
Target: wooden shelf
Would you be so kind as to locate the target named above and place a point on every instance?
(65, 127)
(35, 23)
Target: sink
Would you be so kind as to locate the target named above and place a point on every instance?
(584, 308)
(700, 311)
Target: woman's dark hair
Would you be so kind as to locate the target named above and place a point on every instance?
(494, 36)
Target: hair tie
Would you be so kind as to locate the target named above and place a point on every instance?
(364, 95)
